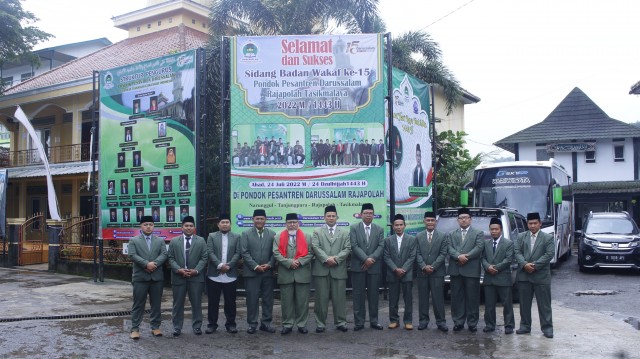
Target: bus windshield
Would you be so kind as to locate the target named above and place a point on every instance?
(525, 189)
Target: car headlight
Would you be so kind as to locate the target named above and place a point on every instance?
(590, 242)
(634, 244)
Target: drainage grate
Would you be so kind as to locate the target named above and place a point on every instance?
(71, 316)
(596, 292)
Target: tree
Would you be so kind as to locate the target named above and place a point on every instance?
(454, 167)
(17, 37)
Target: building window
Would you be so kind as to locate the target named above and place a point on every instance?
(26, 76)
(148, 26)
(204, 25)
(7, 81)
(590, 157)
(543, 155)
(159, 22)
(170, 20)
(193, 21)
(138, 28)
(618, 152)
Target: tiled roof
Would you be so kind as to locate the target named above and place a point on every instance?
(128, 51)
(577, 117)
(606, 187)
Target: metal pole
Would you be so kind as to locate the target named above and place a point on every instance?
(201, 133)
(434, 150)
(93, 177)
(392, 133)
(223, 119)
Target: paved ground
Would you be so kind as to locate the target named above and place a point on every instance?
(48, 315)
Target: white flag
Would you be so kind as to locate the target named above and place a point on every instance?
(51, 191)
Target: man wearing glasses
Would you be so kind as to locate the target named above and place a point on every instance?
(465, 252)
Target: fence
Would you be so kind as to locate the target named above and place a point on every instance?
(77, 243)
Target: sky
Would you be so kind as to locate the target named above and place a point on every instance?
(520, 57)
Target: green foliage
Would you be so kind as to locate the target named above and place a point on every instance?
(17, 36)
(454, 167)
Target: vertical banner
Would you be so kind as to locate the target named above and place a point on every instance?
(3, 201)
(147, 145)
(413, 154)
(307, 127)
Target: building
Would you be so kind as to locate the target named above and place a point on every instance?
(59, 104)
(600, 153)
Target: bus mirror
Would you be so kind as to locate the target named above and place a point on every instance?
(464, 198)
(557, 195)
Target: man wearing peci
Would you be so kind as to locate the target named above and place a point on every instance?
(224, 254)
(432, 247)
(399, 256)
(188, 258)
(496, 261)
(257, 252)
(418, 172)
(465, 253)
(331, 247)
(293, 252)
(148, 253)
(367, 248)
(534, 250)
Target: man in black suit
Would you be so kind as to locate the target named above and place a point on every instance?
(367, 248)
(381, 153)
(418, 172)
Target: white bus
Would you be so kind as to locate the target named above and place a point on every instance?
(528, 186)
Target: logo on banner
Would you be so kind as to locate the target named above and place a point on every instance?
(108, 80)
(184, 60)
(249, 53)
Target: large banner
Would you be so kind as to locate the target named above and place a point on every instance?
(307, 127)
(413, 160)
(3, 201)
(147, 145)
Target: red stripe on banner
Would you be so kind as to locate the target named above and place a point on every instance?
(291, 178)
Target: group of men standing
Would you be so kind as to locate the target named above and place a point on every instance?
(350, 153)
(269, 152)
(323, 259)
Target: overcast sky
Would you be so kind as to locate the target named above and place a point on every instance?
(521, 57)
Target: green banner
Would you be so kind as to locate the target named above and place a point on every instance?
(413, 154)
(307, 128)
(147, 145)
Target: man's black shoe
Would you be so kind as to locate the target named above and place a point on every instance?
(422, 326)
(176, 333)
(508, 330)
(210, 330)
(342, 328)
(443, 328)
(267, 329)
(473, 329)
(285, 331)
(487, 329)
(319, 330)
(358, 327)
(457, 328)
(548, 335)
(303, 330)
(197, 331)
(251, 330)
(232, 329)
(522, 331)
(376, 326)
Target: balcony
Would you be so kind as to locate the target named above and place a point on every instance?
(57, 154)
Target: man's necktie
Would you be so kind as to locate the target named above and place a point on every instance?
(331, 231)
(367, 229)
(495, 243)
(464, 234)
(430, 237)
(186, 251)
(292, 241)
(533, 241)
(149, 242)
(260, 233)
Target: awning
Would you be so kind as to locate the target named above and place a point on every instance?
(606, 187)
(57, 169)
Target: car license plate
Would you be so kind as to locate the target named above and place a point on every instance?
(615, 258)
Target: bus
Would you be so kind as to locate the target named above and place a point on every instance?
(528, 186)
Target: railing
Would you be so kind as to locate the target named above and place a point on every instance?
(56, 154)
(76, 243)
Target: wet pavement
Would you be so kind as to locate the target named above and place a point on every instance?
(48, 315)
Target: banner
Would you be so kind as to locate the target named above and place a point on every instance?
(3, 201)
(307, 128)
(51, 190)
(413, 151)
(147, 145)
